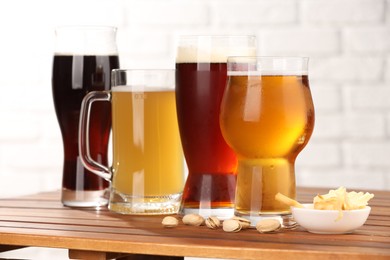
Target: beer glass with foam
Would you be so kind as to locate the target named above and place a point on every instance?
(83, 60)
(267, 118)
(200, 83)
(147, 174)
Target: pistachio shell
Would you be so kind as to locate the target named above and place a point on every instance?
(193, 220)
(213, 222)
(170, 221)
(268, 225)
(290, 226)
(231, 225)
(245, 223)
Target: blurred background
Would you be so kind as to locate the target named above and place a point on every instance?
(348, 42)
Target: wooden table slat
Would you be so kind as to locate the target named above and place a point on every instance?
(41, 220)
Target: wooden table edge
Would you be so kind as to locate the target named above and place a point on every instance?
(141, 248)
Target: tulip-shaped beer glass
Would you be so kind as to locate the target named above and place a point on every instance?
(267, 117)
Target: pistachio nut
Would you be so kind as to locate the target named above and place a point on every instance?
(231, 225)
(193, 220)
(245, 223)
(213, 222)
(170, 222)
(268, 225)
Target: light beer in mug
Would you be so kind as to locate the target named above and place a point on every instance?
(145, 125)
(147, 175)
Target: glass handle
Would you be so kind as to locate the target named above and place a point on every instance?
(84, 151)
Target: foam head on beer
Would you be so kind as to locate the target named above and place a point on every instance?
(267, 66)
(144, 81)
(142, 88)
(212, 49)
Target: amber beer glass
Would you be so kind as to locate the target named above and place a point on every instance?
(83, 60)
(267, 118)
(147, 175)
(200, 83)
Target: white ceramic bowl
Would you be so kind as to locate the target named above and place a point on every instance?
(325, 221)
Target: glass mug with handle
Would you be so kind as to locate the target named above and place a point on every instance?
(83, 59)
(267, 117)
(200, 83)
(147, 174)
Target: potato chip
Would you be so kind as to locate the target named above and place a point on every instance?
(288, 201)
(341, 200)
(333, 200)
(357, 200)
(331, 203)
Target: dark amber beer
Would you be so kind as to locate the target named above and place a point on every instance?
(77, 71)
(211, 161)
(201, 74)
(69, 88)
(267, 117)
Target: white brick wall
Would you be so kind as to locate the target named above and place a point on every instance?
(373, 40)
(379, 95)
(345, 68)
(299, 40)
(387, 64)
(155, 14)
(348, 42)
(343, 12)
(255, 13)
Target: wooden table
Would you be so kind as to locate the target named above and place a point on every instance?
(41, 220)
